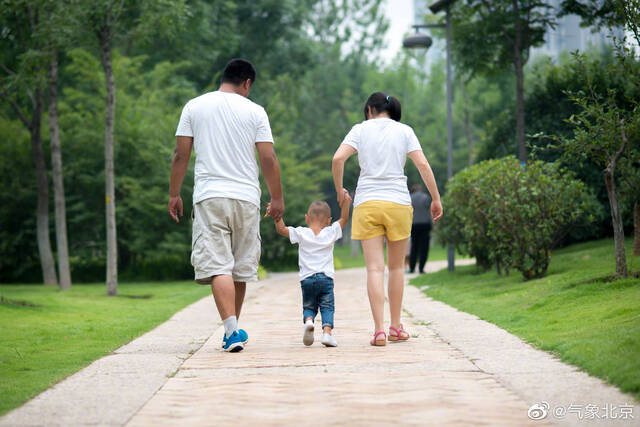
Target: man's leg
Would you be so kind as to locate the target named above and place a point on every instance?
(241, 289)
(224, 294)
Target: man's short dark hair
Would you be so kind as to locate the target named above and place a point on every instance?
(237, 71)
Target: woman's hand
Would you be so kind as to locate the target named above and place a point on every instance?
(436, 210)
(343, 197)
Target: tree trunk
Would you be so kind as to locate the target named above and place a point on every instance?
(517, 64)
(467, 124)
(110, 200)
(58, 184)
(616, 219)
(44, 244)
(636, 228)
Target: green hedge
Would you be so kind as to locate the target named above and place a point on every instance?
(510, 215)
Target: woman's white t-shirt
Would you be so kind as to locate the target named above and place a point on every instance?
(382, 145)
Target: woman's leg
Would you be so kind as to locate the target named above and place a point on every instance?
(395, 257)
(374, 258)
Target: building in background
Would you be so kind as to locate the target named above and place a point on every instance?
(568, 36)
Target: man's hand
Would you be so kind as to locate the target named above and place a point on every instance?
(175, 207)
(275, 209)
(436, 210)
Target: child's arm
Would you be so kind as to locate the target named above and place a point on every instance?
(344, 209)
(282, 229)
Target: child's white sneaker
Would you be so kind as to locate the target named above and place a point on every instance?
(307, 338)
(328, 340)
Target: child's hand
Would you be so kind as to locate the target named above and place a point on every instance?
(344, 197)
(268, 212)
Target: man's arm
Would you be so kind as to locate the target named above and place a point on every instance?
(179, 165)
(271, 171)
(344, 209)
(429, 180)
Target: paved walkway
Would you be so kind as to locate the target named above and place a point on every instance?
(456, 370)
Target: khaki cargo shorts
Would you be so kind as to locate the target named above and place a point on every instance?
(226, 240)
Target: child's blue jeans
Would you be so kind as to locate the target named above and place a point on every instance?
(317, 294)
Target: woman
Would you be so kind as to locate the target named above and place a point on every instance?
(382, 206)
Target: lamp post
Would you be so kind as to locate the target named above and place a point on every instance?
(423, 41)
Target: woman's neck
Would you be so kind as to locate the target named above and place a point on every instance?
(383, 115)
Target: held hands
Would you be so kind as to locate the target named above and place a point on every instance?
(436, 210)
(343, 197)
(275, 209)
(175, 207)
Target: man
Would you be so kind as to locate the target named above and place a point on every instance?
(225, 128)
(420, 229)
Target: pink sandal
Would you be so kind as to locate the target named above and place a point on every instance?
(400, 335)
(379, 343)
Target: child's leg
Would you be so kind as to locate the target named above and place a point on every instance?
(309, 299)
(326, 302)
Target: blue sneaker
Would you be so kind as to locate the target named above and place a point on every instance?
(244, 337)
(233, 344)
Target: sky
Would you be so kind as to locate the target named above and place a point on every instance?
(400, 16)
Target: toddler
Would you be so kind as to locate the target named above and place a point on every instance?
(315, 258)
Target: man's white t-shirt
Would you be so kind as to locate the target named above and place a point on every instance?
(382, 145)
(225, 128)
(315, 253)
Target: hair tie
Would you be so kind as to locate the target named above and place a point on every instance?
(387, 99)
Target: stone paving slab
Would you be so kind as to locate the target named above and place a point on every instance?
(279, 381)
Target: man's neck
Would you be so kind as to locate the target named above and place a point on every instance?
(229, 88)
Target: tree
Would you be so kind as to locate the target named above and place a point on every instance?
(602, 134)
(58, 183)
(23, 63)
(489, 36)
(108, 20)
(606, 132)
(59, 22)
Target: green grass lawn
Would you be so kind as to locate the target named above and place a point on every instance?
(46, 334)
(343, 258)
(575, 312)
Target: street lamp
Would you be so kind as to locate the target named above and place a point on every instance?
(423, 41)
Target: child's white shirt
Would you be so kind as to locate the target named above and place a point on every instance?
(315, 253)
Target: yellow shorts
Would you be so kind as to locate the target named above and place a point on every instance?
(380, 218)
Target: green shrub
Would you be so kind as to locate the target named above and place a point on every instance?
(510, 216)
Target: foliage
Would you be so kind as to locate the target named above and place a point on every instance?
(484, 32)
(575, 312)
(511, 216)
(309, 85)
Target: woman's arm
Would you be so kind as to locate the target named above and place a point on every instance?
(429, 180)
(337, 168)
